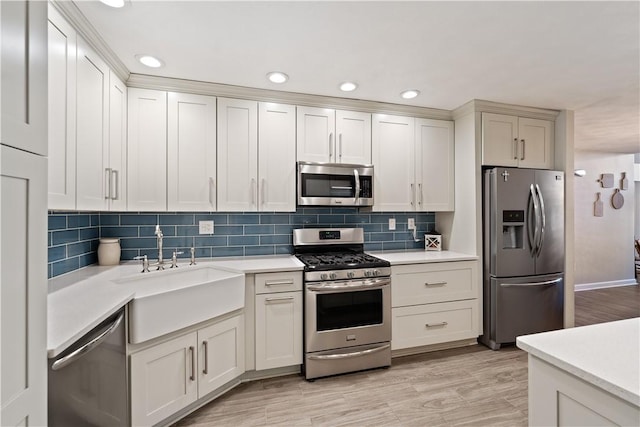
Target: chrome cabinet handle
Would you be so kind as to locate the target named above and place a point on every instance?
(262, 185)
(114, 182)
(277, 300)
(330, 145)
(413, 196)
(420, 193)
(433, 325)
(515, 148)
(523, 143)
(192, 377)
(279, 282)
(253, 191)
(349, 355)
(206, 357)
(435, 283)
(107, 183)
(77, 354)
(340, 145)
(212, 186)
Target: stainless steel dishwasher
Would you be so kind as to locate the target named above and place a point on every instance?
(88, 381)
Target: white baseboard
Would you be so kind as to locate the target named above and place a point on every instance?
(602, 285)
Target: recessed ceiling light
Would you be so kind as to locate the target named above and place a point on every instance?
(410, 94)
(113, 3)
(277, 77)
(348, 86)
(149, 61)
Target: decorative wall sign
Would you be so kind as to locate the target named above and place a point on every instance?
(617, 200)
(598, 206)
(606, 180)
(624, 182)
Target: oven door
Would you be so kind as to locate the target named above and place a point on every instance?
(347, 313)
(322, 184)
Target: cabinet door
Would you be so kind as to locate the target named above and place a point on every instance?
(393, 158)
(117, 173)
(499, 140)
(353, 141)
(277, 157)
(24, 75)
(191, 155)
(278, 330)
(434, 165)
(163, 380)
(237, 155)
(221, 354)
(23, 290)
(91, 124)
(62, 113)
(316, 134)
(536, 143)
(147, 150)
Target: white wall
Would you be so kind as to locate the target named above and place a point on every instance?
(604, 253)
(637, 184)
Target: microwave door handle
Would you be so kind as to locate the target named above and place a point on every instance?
(357, 179)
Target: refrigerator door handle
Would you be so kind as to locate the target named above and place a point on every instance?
(543, 220)
(532, 225)
(545, 283)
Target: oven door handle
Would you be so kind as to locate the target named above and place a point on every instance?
(357, 286)
(349, 355)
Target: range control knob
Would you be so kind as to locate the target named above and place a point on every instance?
(350, 274)
(333, 276)
(368, 273)
(323, 276)
(376, 272)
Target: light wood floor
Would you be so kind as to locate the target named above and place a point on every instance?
(470, 386)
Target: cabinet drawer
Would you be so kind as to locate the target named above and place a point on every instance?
(433, 323)
(286, 281)
(428, 283)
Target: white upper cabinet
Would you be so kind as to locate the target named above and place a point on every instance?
(62, 113)
(23, 81)
(333, 136)
(393, 153)
(116, 173)
(516, 141)
(237, 155)
(91, 129)
(277, 157)
(147, 150)
(434, 165)
(191, 152)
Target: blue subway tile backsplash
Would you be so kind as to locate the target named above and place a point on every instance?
(74, 236)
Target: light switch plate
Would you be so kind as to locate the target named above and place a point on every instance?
(411, 223)
(392, 223)
(205, 227)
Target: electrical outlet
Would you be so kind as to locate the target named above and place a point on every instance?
(411, 223)
(205, 227)
(392, 223)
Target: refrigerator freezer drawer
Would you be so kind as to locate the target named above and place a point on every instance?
(526, 305)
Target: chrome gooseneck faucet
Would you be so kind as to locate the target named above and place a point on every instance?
(159, 237)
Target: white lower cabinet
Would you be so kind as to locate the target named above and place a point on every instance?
(434, 303)
(173, 374)
(278, 321)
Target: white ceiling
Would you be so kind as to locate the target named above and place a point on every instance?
(581, 56)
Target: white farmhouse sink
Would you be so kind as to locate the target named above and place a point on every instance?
(168, 300)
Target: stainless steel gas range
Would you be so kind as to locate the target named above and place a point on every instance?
(347, 302)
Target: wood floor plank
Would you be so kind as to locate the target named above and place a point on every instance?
(467, 386)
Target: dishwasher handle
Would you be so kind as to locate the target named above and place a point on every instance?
(94, 342)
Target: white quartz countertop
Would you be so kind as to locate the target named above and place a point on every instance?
(422, 256)
(79, 301)
(606, 355)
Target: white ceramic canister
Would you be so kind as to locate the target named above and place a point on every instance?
(109, 252)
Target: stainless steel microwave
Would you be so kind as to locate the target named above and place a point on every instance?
(334, 184)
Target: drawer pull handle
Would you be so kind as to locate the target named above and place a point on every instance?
(277, 300)
(434, 325)
(435, 283)
(279, 282)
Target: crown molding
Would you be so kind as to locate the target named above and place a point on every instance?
(71, 13)
(482, 106)
(265, 95)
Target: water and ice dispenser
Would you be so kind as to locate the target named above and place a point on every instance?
(512, 229)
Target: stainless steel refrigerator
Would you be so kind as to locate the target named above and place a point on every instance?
(523, 236)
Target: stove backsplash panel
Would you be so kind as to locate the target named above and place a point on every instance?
(74, 236)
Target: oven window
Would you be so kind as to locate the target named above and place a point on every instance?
(322, 185)
(348, 309)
